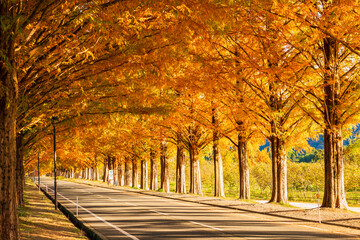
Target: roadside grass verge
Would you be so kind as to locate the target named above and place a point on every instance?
(40, 221)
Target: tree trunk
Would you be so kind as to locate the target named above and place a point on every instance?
(195, 178)
(180, 168)
(144, 175)
(334, 188)
(282, 173)
(273, 144)
(96, 170)
(92, 175)
(153, 171)
(105, 171)
(20, 171)
(279, 171)
(164, 160)
(135, 173)
(243, 168)
(218, 163)
(116, 174)
(121, 174)
(9, 219)
(191, 158)
(127, 172)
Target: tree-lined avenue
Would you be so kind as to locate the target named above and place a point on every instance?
(190, 83)
(119, 214)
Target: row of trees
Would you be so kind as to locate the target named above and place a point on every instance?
(136, 172)
(126, 78)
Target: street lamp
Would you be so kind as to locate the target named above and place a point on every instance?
(53, 121)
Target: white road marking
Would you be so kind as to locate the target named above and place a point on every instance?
(165, 214)
(130, 204)
(115, 200)
(215, 228)
(101, 219)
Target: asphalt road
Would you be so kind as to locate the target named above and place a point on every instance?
(128, 215)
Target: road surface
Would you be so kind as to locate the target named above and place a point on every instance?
(129, 215)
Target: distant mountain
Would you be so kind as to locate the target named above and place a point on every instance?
(319, 143)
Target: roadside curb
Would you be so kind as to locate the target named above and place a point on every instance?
(90, 232)
(146, 192)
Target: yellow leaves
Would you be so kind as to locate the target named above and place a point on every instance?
(184, 9)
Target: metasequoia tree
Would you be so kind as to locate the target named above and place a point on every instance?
(135, 172)
(55, 49)
(241, 127)
(144, 175)
(270, 66)
(195, 137)
(153, 170)
(328, 36)
(9, 25)
(180, 165)
(214, 51)
(164, 166)
(127, 177)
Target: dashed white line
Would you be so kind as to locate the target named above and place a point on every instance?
(204, 225)
(196, 223)
(165, 214)
(130, 204)
(101, 219)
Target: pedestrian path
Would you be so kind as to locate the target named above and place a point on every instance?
(307, 205)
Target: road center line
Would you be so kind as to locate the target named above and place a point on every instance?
(101, 219)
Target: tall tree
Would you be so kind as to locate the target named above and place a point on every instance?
(153, 170)
(218, 165)
(164, 163)
(332, 89)
(9, 11)
(180, 166)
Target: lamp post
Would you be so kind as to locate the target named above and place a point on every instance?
(53, 121)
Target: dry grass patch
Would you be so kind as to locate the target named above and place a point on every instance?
(40, 221)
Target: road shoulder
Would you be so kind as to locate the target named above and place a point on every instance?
(40, 221)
